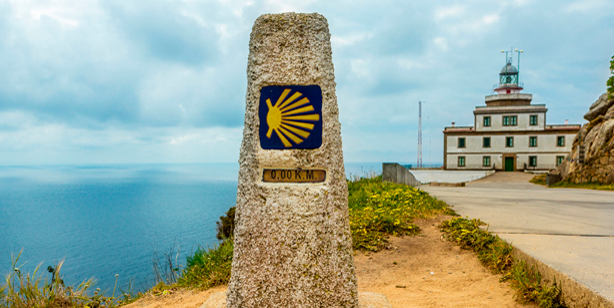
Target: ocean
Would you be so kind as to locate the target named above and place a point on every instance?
(112, 219)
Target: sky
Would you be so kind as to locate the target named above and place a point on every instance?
(124, 82)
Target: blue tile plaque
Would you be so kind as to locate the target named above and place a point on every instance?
(290, 117)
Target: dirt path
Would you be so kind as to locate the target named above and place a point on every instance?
(429, 272)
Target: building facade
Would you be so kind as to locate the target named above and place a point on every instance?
(509, 133)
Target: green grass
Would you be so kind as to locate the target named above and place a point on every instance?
(596, 186)
(529, 288)
(539, 179)
(496, 254)
(208, 267)
(378, 210)
(26, 290)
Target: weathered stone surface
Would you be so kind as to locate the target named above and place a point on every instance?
(602, 136)
(610, 113)
(292, 242)
(599, 107)
(365, 300)
(597, 137)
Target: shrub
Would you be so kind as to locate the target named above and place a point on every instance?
(610, 82)
(208, 267)
(226, 226)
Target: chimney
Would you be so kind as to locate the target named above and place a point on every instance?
(452, 124)
(566, 122)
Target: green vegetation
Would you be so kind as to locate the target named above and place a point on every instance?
(539, 179)
(379, 209)
(596, 186)
(529, 288)
(226, 226)
(493, 252)
(496, 254)
(31, 290)
(208, 267)
(610, 82)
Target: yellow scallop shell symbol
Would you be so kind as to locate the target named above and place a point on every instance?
(290, 119)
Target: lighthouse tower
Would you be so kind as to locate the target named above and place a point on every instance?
(508, 91)
(508, 79)
(509, 133)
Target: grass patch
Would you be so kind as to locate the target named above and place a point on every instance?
(208, 267)
(539, 179)
(32, 290)
(596, 186)
(529, 288)
(378, 209)
(493, 252)
(496, 254)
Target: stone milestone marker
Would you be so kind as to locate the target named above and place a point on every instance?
(292, 242)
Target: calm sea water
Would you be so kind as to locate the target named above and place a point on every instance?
(107, 220)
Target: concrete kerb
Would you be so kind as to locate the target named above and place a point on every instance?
(573, 293)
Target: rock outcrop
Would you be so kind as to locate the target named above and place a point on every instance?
(597, 137)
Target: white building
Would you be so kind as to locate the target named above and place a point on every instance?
(509, 133)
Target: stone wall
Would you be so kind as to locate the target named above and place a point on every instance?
(597, 137)
(395, 173)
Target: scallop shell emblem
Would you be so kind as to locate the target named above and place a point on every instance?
(291, 118)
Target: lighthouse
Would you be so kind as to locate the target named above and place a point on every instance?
(509, 133)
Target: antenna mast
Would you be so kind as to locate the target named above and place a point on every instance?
(419, 163)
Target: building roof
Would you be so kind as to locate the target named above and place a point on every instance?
(510, 109)
(509, 69)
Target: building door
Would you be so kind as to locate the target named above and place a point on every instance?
(509, 164)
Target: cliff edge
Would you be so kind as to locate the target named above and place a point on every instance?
(596, 140)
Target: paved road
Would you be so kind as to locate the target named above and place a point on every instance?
(571, 230)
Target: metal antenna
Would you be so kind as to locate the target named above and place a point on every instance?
(419, 163)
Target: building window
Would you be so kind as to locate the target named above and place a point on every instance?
(461, 161)
(559, 160)
(461, 142)
(510, 120)
(509, 142)
(533, 120)
(486, 161)
(532, 161)
(532, 141)
(560, 141)
(486, 121)
(486, 142)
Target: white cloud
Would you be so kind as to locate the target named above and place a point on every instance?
(449, 12)
(441, 42)
(587, 6)
(89, 81)
(338, 41)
